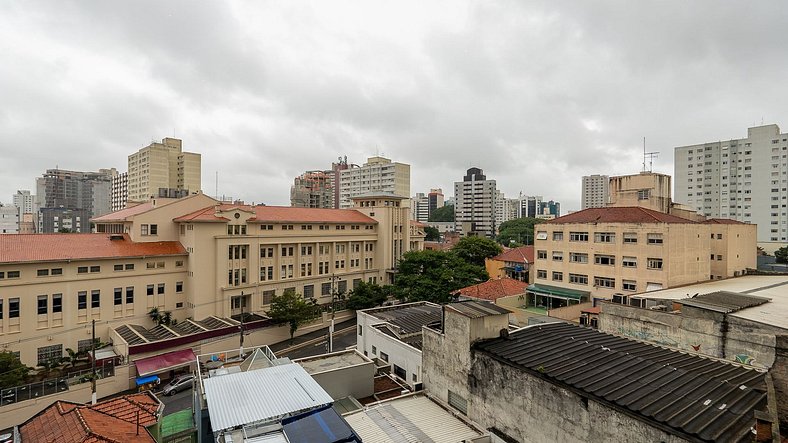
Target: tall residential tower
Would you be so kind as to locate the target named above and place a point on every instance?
(595, 191)
(163, 170)
(474, 207)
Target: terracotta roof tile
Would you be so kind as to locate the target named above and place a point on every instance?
(15, 248)
(523, 254)
(724, 221)
(109, 421)
(494, 289)
(280, 214)
(616, 214)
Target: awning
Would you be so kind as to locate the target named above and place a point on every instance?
(562, 293)
(145, 380)
(165, 362)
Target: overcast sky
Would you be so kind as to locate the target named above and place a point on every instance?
(537, 94)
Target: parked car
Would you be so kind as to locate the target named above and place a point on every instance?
(178, 384)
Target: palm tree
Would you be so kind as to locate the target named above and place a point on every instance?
(72, 358)
(155, 315)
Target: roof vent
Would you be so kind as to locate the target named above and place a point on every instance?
(116, 237)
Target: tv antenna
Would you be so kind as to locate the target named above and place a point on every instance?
(650, 156)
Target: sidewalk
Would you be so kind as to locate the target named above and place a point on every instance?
(278, 347)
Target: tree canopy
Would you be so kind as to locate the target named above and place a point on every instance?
(291, 308)
(518, 231)
(443, 214)
(781, 255)
(434, 275)
(475, 249)
(432, 233)
(367, 295)
(12, 371)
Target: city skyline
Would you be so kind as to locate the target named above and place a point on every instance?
(528, 86)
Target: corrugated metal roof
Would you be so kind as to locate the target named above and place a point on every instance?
(410, 419)
(409, 318)
(724, 301)
(261, 395)
(702, 397)
(477, 309)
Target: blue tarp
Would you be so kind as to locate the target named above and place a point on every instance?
(145, 380)
(319, 426)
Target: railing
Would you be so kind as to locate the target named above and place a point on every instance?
(53, 385)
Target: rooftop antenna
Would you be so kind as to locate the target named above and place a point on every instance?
(217, 186)
(650, 156)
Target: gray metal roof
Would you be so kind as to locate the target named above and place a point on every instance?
(477, 309)
(724, 301)
(409, 318)
(707, 399)
(261, 395)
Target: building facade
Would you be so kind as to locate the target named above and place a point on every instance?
(474, 204)
(422, 205)
(71, 194)
(595, 191)
(741, 179)
(163, 170)
(313, 189)
(9, 219)
(25, 201)
(378, 174)
(119, 191)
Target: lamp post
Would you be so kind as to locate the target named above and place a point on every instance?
(333, 309)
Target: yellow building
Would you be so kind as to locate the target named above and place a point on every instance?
(163, 170)
(193, 257)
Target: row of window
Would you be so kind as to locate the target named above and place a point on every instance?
(582, 279)
(603, 259)
(48, 272)
(309, 228)
(289, 251)
(309, 291)
(602, 237)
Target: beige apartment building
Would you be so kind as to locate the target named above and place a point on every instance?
(163, 170)
(378, 174)
(194, 257)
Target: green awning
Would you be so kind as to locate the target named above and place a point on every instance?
(552, 291)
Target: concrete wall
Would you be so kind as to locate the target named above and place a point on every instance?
(569, 313)
(17, 413)
(403, 355)
(357, 381)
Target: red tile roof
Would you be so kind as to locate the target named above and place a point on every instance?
(523, 254)
(15, 248)
(619, 214)
(723, 221)
(279, 214)
(494, 289)
(113, 420)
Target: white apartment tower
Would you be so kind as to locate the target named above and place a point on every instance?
(596, 190)
(741, 179)
(377, 175)
(119, 191)
(163, 170)
(475, 204)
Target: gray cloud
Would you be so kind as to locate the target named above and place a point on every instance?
(536, 93)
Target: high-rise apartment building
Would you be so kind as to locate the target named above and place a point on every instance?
(119, 191)
(313, 189)
(25, 201)
(595, 191)
(742, 179)
(474, 207)
(9, 219)
(74, 195)
(422, 205)
(377, 175)
(163, 170)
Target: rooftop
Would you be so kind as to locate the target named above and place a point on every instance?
(523, 254)
(278, 214)
(724, 301)
(494, 289)
(697, 396)
(411, 418)
(477, 309)
(408, 318)
(137, 334)
(22, 248)
(111, 420)
(618, 214)
(330, 362)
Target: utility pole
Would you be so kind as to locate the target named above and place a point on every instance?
(243, 302)
(333, 309)
(93, 364)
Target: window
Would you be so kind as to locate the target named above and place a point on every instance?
(541, 235)
(117, 297)
(12, 274)
(117, 268)
(578, 236)
(266, 252)
(643, 194)
(160, 288)
(309, 291)
(154, 229)
(576, 257)
(542, 255)
(178, 286)
(342, 286)
(654, 263)
(374, 350)
(558, 256)
(178, 264)
(129, 294)
(150, 289)
(82, 300)
(95, 298)
(268, 296)
(384, 356)
(629, 285)
(629, 262)
(606, 260)
(604, 282)
(82, 270)
(604, 237)
(325, 289)
(558, 236)
(42, 272)
(541, 273)
(578, 279)
(86, 345)
(57, 304)
(558, 276)
(654, 239)
(360, 330)
(43, 307)
(95, 269)
(49, 353)
(143, 229)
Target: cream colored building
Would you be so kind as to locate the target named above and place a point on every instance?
(163, 170)
(193, 257)
(378, 174)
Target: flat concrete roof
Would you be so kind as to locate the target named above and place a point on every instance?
(774, 287)
(329, 362)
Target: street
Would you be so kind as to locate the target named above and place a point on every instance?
(177, 402)
(342, 340)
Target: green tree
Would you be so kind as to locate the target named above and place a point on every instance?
(12, 371)
(291, 308)
(73, 357)
(161, 318)
(518, 231)
(475, 249)
(443, 214)
(434, 275)
(432, 233)
(781, 255)
(366, 295)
